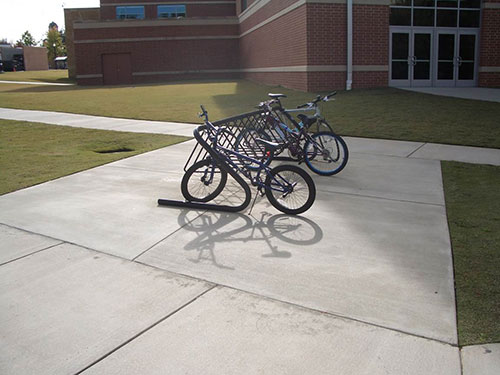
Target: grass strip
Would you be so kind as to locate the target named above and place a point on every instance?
(32, 153)
(49, 76)
(385, 113)
(473, 207)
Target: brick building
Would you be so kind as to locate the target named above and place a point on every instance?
(303, 44)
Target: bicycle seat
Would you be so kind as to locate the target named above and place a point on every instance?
(276, 96)
(307, 120)
(270, 146)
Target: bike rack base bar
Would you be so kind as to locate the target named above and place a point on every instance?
(199, 205)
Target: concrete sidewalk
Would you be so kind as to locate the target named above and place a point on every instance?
(37, 83)
(95, 278)
(475, 93)
(418, 150)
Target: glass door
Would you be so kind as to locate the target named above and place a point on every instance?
(446, 58)
(456, 58)
(467, 58)
(421, 58)
(400, 58)
(411, 57)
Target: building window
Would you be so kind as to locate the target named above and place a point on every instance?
(244, 5)
(130, 13)
(440, 13)
(171, 11)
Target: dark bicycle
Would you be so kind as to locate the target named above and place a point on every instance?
(323, 151)
(287, 187)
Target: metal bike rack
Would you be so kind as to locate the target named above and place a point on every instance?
(221, 164)
(237, 126)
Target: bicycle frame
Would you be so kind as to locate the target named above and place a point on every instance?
(291, 136)
(245, 171)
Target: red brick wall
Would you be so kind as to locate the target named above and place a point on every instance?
(181, 77)
(324, 27)
(369, 79)
(292, 80)
(325, 81)
(371, 36)
(490, 46)
(149, 56)
(70, 16)
(276, 44)
(267, 11)
(489, 79)
(171, 55)
(155, 31)
(327, 34)
(312, 35)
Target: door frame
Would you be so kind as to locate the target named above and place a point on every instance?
(435, 32)
(411, 81)
(469, 82)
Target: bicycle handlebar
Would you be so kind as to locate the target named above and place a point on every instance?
(204, 114)
(318, 99)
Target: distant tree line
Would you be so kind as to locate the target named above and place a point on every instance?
(54, 41)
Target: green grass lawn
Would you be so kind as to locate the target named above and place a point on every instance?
(473, 207)
(50, 76)
(31, 153)
(377, 113)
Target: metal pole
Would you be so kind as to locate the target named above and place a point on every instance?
(348, 85)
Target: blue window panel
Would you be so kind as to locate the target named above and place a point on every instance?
(171, 11)
(130, 13)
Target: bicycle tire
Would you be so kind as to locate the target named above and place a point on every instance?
(323, 126)
(331, 158)
(302, 195)
(194, 186)
(246, 144)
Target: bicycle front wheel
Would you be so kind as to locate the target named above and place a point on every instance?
(290, 189)
(326, 153)
(203, 181)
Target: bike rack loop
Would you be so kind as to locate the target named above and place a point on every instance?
(223, 165)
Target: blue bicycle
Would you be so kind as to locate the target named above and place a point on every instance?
(287, 187)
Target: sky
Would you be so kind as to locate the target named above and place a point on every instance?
(17, 16)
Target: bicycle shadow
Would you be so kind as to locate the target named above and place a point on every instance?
(266, 232)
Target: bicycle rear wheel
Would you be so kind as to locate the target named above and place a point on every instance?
(326, 153)
(203, 181)
(290, 189)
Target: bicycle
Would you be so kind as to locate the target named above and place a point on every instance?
(288, 188)
(324, 152)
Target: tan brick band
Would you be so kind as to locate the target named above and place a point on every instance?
(257, 5)
(491, 5)
(156, 23)
(277, 69)
(84, 76)
(489, 69)
(156, 39)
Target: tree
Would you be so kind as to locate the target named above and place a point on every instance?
(4, 41)
(54, 45)
(26, 40)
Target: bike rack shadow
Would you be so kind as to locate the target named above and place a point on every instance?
(223, 227)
